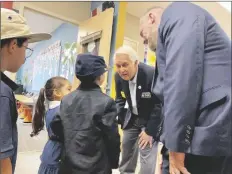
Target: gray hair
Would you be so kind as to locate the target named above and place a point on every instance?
(132, 54)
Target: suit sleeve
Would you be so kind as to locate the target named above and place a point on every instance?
(6, 139)
(120, 101)
(184, 43)
(154, 122)
(111, 136)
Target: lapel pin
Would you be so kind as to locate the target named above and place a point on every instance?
(139, 87)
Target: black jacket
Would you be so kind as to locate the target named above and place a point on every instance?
(148, 105)
(90, 133)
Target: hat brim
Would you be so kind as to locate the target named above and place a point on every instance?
(92, 75)
(34, 37)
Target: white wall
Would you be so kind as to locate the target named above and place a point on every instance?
(221, 14)
(132, 32)
(73, 11)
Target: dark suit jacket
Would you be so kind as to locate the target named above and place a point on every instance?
(194, 64)
(148, 106)
(90, 133)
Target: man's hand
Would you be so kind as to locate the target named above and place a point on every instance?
(5, 166)
(144, 140)
(176, 161)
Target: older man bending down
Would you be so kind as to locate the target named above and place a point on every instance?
(138, 111)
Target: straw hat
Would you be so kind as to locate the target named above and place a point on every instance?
(13, 25)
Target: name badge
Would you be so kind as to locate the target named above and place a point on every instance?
(146, 95)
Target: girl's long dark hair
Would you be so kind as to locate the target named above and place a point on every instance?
(52, 84)
(38, 119)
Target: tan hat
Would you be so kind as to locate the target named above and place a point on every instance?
(13, 25)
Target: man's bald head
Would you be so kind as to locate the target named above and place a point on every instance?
(155, 9)
(149, 24)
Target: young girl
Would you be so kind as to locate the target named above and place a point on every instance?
(88, 118)
(47, 107)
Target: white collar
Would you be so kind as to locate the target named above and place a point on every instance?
(135, 78)
(53, 104)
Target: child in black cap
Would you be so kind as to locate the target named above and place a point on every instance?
(88, 117)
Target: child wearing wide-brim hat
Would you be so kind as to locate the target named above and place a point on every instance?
(15, 37)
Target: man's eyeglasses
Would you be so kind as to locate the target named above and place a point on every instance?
(29, 52)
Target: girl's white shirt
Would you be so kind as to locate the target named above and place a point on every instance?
(53, 104)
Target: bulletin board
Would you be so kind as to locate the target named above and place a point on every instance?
(68, 58)
(46, 64)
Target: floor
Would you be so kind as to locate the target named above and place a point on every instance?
(30, 150)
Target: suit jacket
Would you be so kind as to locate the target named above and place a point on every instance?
(90, 133)
(148, 104)
(194, 82)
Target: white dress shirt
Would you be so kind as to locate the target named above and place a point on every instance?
(132, 87)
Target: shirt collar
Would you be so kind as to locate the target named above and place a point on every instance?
(8, 81)
(53, 104)
(134, 80)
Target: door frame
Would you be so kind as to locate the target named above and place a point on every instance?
(102, 23)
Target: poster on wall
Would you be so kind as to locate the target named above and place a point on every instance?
(27, 75)
(68, 58)
(46, 63)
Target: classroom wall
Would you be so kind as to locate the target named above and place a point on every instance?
(132, 32)
(65, 33)
(73, 11)
(222, 15)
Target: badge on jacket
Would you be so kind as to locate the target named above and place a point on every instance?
(123, 94)
(146, 95)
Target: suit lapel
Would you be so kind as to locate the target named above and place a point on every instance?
(127, 92)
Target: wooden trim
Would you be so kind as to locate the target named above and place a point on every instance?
(90, 37)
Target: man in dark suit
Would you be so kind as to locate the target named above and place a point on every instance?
(138, 111)
(194, 83)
